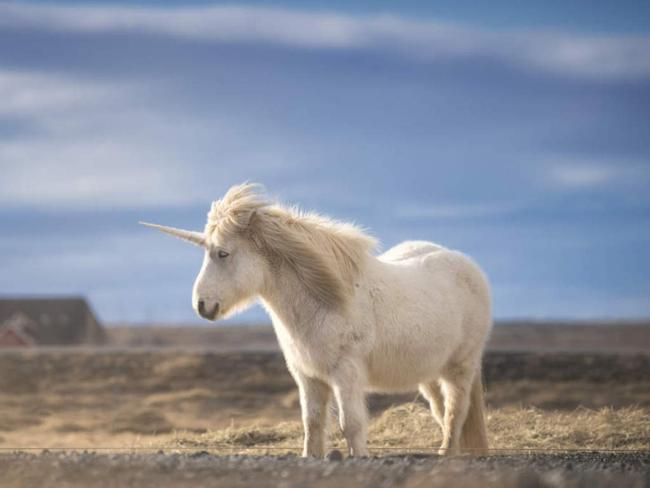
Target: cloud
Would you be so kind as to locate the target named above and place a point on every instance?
(591, 57)
(87, 174)
(34, 93)
(452, 212)
(585, 174)
(104, 144)
(72, 161)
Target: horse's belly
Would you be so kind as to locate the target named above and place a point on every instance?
(403, 370)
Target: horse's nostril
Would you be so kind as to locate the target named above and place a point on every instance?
(201, 307)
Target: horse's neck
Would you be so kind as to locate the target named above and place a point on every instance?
(290, 303)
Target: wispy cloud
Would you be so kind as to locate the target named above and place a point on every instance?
(72, 160)
(593, 174)
(88, 174)
(35, 93)
(593, 57)
(582, 175)
(103, 144)
(451, 212)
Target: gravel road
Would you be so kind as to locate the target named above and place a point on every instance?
(577, 469)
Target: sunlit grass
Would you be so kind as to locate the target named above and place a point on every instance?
(410, 427)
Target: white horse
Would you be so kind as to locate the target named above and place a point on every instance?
(415, 317)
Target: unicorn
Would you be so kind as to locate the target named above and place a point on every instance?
(348, 321)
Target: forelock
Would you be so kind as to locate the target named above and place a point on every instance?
(231, 214)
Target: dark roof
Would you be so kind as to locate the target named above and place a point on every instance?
(58, 320)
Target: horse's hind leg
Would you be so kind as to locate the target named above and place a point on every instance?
(456, 385)
(431, 391)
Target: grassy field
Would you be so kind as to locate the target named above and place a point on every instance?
(410, 428)
(238, 402)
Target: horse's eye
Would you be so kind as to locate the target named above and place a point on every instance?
(223, 254)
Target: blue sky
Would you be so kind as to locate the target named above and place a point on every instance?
(518, 133)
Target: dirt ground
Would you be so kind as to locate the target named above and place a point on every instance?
(566, 470)
(217, 412)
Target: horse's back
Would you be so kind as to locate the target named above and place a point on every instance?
(429, 289)
(409, 249)
(421, 266)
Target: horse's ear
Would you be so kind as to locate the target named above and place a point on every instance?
(252, 218)
(253, 229)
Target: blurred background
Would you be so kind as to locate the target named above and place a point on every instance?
(516, 132)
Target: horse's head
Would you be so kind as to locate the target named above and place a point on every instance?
(246, 238)
(231, 276)
(233, 271)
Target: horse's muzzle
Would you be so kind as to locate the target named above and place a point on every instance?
(207, 314)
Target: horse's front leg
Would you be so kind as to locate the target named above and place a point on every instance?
(314, 398)
(348, 389)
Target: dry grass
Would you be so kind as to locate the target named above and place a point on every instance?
(406, 427)
(607, 428)
(85, 400)
(410, 427)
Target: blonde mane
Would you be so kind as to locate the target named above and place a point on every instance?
(326, 255)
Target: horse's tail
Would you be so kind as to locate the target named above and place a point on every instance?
(474, 434)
